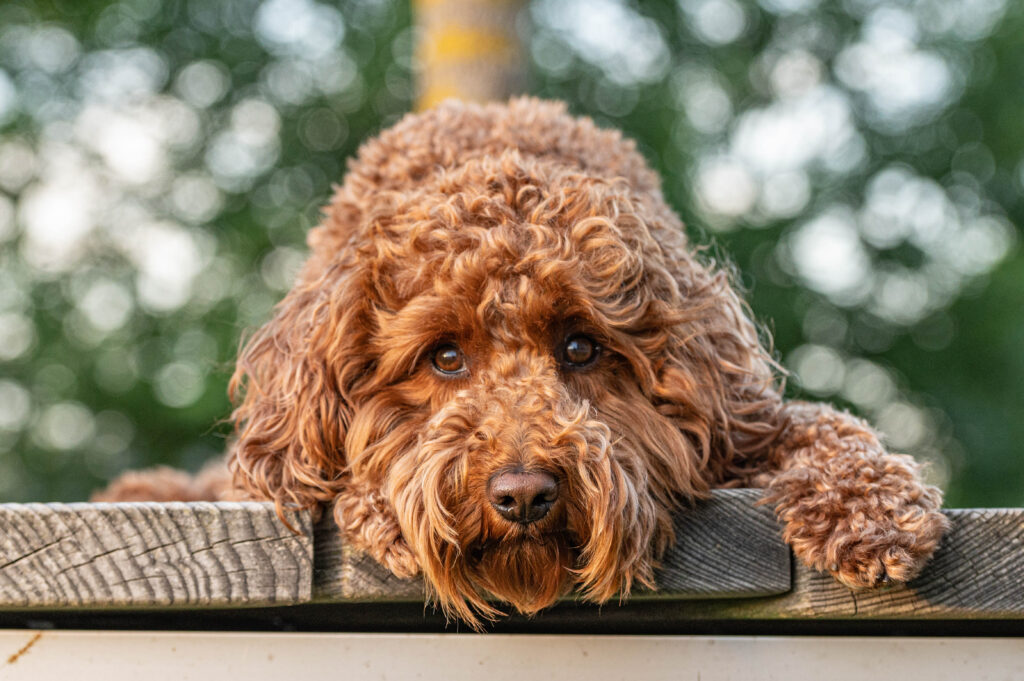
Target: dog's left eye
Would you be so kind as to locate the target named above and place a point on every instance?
(448, 359)
(580, 350)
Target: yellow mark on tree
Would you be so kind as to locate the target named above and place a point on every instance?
(468, 49)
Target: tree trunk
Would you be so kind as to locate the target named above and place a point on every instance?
(468, 49)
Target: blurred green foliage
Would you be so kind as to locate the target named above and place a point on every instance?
(861, 162)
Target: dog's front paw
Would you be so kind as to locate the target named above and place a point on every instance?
(399, 559)
(867, 547)
(368, 522)
(868, 564)
(854, 511)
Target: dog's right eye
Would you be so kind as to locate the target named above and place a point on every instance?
(580, 351)
(448, 359)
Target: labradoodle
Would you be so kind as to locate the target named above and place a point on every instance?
(503, 367)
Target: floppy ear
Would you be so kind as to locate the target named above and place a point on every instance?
(292, 387)
(718, 381)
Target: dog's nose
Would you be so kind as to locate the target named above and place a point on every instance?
(521, 496)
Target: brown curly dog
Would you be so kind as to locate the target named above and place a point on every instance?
(502, 367)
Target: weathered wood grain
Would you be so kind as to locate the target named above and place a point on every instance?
(147, 554)
(341, 573)
(727, 564)
(725, 547)
(977, 573)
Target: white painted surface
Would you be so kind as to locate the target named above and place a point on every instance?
(153, 656)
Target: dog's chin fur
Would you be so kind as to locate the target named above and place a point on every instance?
(529, 574)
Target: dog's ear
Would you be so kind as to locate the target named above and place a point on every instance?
(292, 387)
(718, 382)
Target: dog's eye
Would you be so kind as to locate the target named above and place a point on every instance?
(580, 350)
(448, 359)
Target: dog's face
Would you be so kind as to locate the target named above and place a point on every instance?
(519, 363)
(510, 422)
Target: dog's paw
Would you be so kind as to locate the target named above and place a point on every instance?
(368, 523)
(399, 558)
(850, 509)
(868, 566)
(863, 551)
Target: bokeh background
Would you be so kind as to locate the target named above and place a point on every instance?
(861, 162)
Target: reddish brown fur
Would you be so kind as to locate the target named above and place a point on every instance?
(503, 228)
(163, 483)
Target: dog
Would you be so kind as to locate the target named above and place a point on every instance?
(503, 367)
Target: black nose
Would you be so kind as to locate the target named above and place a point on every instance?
(522, 497)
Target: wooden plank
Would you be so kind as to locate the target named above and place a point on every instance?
(148, 554)
(57, 556)
(725, 547)
(341, 573)
(977, 573)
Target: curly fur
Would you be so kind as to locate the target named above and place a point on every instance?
(503, 228)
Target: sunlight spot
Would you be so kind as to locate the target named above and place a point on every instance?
(58, 216)
(179, 384)
(785, 194)
(626, 45)
(15, 405)
(203, 83)
(795, 73)
(52, 49)
(904, 426)
(868, 385)
(904, 85)
(819, 369)
(125, 142)
(8, 97)
(717, 22)
(900, 295)
(300, 27)
(699, 93)
(195, 198)
(168, 258)
(829, 256)
(65, 426)
(724, 186)
(280, 267)
(17, 164)
(122, 75)
(106, 304)
(793, 133)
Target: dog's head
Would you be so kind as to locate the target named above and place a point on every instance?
(512, 351)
